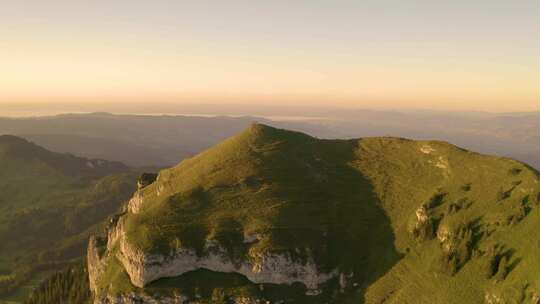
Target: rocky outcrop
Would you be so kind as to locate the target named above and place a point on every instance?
(445, 237)
(144, 268)
(423, 226)
(535, 298)
(146, 179)
(135, 203)
(115, 231)
(95, 264)
(494, 297)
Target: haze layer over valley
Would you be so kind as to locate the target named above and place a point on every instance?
(158, 140)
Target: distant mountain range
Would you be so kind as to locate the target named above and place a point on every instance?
(163, 140)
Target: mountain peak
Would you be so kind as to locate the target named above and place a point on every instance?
(258, 129)
(282, 208)
(262, 132)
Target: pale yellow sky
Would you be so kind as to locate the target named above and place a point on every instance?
(453, 56)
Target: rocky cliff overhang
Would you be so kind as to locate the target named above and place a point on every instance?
(144, 268)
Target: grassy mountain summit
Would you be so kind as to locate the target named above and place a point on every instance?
(382, 219)
(49, 204)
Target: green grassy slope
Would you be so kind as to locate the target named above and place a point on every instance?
(352, 205)
(487, 206)
(49, 204)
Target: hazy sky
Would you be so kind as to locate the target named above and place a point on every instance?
(453, 54)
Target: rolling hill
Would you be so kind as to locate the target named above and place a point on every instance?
(276, 216)
(49, 204)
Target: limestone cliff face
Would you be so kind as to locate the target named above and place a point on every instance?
(135, 203)
(95, 264)
(269, 268)
(144, 268)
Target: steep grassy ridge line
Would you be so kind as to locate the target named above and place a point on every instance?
(50, 204)
(477, 208)
(396, 220)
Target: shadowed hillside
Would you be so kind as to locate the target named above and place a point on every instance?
(49, 204)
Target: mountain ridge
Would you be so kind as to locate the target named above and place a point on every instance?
(367, 213)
